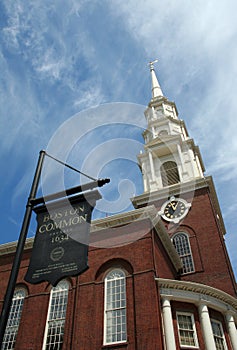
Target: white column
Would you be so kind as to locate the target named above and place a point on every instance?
(153, 131)
(168, 325)
(153, 113)
(231, 330)
(151, 166)
(144, 175)
(199, 165)
(182, 162)
(206, 327)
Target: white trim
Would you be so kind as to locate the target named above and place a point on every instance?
(151, 162)
(194, 293)
(190, 250)
(231, 328)
(195, 338)
(106, 281)
(63, 285)
(203, 297)
(171, 199)
(168, 324)
(14, 318)
(206, 326)
(213, 320)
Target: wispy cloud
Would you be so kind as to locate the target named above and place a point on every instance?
(60, 58)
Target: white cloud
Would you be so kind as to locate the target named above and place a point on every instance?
(195, 42)
(92, 97)
(59, 58)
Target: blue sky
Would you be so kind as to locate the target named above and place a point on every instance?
(60, 58)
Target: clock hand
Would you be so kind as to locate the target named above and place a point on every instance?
(173, 205)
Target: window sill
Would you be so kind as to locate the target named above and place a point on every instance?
(115, 346)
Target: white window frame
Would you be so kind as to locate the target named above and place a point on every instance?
(194, 332)
(14, 319)
(222, 333)
(185, 270)
(54, 317)
(119, 312)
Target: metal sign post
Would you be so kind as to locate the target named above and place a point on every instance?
(31, 203)
(19, 250)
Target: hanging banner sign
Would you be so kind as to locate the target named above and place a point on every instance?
(60, 246)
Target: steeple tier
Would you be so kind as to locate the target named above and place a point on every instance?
(159, 104)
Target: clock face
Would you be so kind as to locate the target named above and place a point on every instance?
(174, 209)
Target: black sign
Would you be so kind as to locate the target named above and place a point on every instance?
(61, 243)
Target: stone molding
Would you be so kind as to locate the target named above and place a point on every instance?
(198, 293)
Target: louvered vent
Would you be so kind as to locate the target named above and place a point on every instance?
(169, 173)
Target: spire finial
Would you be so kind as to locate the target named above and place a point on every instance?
(151, 64)
(155, 86)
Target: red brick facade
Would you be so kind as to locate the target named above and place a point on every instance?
(144, 260)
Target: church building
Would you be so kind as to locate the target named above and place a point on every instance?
(159, 276)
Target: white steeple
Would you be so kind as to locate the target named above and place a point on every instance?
(170, 157)
(155, 86)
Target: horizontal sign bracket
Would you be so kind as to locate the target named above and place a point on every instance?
(70, 191)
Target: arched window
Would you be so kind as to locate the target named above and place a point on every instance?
(14, 319)
(182, 246)
(115, 324)
(54, 331)
(169, 173)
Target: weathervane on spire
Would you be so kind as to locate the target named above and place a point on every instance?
(151, 63)
(155, 86)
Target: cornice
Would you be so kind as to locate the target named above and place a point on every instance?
(159, 141)
(197, 293)
(158, 101)
(122, 218)
(137, 215)
(172, 190)
(10, 248)
(96, 225)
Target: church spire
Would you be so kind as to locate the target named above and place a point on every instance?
(155, 86)
(170, 158)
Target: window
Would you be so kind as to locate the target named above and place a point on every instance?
(115, 329)
(54, 331)
(169, 173)
(14, 319)
(218, 335)
(187, 330)
(182, 246)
